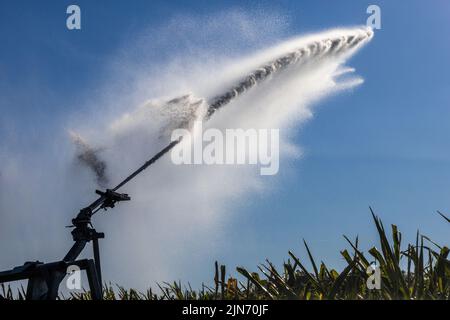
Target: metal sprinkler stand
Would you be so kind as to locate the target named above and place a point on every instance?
(44, 278)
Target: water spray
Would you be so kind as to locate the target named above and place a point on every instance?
(45, 278)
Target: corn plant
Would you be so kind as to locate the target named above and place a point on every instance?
(425, 275)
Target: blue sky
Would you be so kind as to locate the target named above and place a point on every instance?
(385, 144)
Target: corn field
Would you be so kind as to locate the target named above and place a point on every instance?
(420, 270)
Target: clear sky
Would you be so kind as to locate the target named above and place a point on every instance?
(385, 144)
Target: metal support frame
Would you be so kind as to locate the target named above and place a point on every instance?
(44, 278)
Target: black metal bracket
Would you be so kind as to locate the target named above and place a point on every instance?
(44, 278)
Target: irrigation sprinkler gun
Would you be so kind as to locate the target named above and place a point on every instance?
(44, 278)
